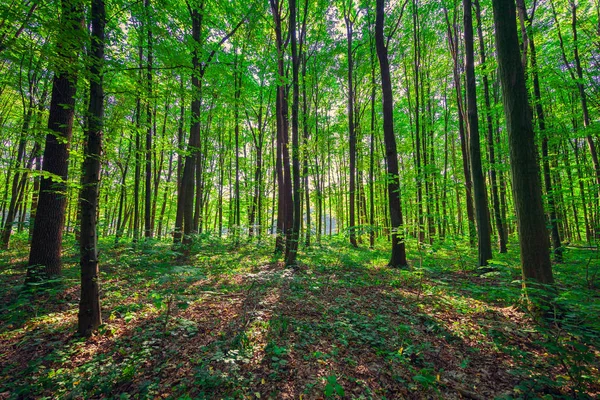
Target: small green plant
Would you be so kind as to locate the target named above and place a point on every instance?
(332, 387)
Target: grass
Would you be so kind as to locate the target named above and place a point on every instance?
(235, 323)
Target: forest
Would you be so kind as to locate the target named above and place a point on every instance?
(299, 199)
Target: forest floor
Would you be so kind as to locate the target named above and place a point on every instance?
(233, 322)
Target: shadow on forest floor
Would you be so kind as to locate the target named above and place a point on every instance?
(235, 323)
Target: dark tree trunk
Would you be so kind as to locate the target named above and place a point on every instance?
(351, 131)
(417, 140)
(527, 193)
(398, 258)
(452, 42)
(296, 198)
(305, 144)
(480, 193)
(89, 317)
(237, 84)
(46, 242)
(285, 210)
(148, 193)
(490, 137)
(541, 120)
(372, 155)
(138, 153)
(177, 231)
(184, 223)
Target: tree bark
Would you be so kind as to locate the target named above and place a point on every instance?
(480, 193)
(490, 136)
(89, 317)
(351, 131)
(296, 197)
(398, 258)
(46, 242)
(541, 120)
(148, 152)
(527, 193)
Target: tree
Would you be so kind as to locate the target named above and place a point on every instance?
(148, 150)
(89, 317)
(46, 241)
(479, 190)
(292, 247)
(285, 214)
(398, 258)
(525, 173)
(349, 21)
(500, 228)
(541, 120)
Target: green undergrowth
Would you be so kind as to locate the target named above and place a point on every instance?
(231, 321)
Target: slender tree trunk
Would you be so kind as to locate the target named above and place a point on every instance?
(165, 196)
(148, 152)
(16, 182)
(237, 77)
(285, 208)
(398, 258)
(490, 136)
(351, 131)
(138, 153)
(418, 139)
(452, 42)
(372, 154)
(185, 201)
(296, 199)
(36, 190)
(305, 152)
(158, 166)
(481, 208)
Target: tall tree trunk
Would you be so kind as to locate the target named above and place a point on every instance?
(46, 242)
(138, 153)
(480, 193)
(89, 317)
(418, 139)
(148, 152)
(372, 153)
(237, 77)
(527, 193)
(185, 200)
(285, 211)
(541, 120)
(296, 198)
(398, 258)
(490, 135)
(305, 146)
(351, 131)
(452, 42)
